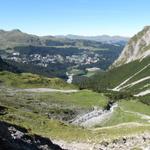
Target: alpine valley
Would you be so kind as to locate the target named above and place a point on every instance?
(55, 56)
(74, 92)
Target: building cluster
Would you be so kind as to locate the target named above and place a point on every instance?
(44, 60)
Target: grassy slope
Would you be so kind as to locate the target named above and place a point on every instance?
(83, 98)
(118, 75)
(25, 108)
(43, 102)
(115, 76)
(122, 116)
(58, 130)
(143, 86)
(135, 106)
(28, 80)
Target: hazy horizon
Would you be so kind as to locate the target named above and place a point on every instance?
(57, 35)
(80, 17)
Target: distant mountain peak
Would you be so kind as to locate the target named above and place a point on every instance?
(16, 30)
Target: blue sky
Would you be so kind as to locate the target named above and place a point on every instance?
(82, 17)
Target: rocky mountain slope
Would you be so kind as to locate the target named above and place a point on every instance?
(18, 138)
(137, 48)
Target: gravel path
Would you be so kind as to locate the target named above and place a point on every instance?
(143, 93)
(141, 141)
(45, 90)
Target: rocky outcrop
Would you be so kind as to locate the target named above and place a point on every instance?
(126, 143)
(137, 142)
(13, 137)
(137, 48)
(94, 117)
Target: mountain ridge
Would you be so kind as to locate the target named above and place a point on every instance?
(98, 38)
(55, 56)
(137, 48)
(15, 37)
